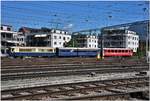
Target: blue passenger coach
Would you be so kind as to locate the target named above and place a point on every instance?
(88, 52)
(67, 52)
(77, 52)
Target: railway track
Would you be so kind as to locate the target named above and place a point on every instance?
(63, 67)
(47, 61)
(70, 64)
(46, 72)
(81, 90)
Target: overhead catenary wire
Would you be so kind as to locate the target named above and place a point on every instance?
(63, 17)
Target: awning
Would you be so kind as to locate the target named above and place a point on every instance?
(41, 35)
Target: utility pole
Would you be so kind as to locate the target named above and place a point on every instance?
(147, 34)
(102, 44)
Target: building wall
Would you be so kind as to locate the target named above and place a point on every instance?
(132, 42)
(19, 38)
(58, 40)
(92, 42)
(86, 41)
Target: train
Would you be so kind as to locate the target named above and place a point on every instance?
(67, 52)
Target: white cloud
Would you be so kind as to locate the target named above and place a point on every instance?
(68, 26)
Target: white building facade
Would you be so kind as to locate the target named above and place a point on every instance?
(59, 38)
(86, 41)
(92, 41)
(132, 40)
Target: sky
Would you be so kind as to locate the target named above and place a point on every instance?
(72, 15)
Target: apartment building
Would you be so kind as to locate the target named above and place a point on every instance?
(86, 41)
(45, 37)
(120, 38)
(9, 38)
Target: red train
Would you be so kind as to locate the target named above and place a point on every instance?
(118, 52)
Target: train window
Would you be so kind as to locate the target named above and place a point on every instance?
(122, 50)
(126, 50)
(49, 50)
(41, 50)
(45, 50)
(26, 50)
(108, 50)
(116, 51)
(119, 50)
(112, 50)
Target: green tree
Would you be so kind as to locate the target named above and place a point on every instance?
(71, 43)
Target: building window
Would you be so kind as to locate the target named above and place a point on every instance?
(3, 35)
(89, 40)
(133, 38)
(8, 29)
(95, 41)
(60, 43)
(55, 37)
(129, 43)
(128, 37)
(89, 45)
(1, 28)
(64, 38)
(95, 46)
(59, 37)
(68, 38)
(55, 43)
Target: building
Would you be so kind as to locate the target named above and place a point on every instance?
(19, 38)
(45, 37)
(8, 38)
(85, 41)
(140, 27)
(120, 38)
